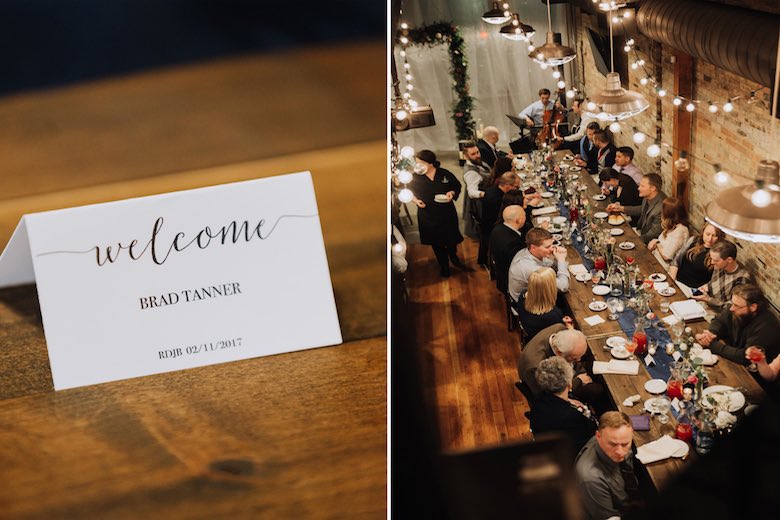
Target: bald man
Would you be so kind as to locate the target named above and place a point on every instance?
(505, 241)
(487, 146)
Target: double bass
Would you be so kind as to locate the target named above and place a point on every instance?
(548, 135)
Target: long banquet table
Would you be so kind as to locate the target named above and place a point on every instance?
(580, 294)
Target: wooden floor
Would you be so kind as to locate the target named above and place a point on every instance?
(468, 358)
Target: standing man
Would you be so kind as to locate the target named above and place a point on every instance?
(604, 469)
(487, 146)
(624, 163)
(491, 206)
(727, 273)
(649, 224)
(476, 176)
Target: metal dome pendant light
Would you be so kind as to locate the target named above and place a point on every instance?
(552, 53)
(496, 15)
(615, 103)
(517, 30)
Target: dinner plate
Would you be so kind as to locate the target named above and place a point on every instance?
(616, 232)
(669, 291)
(559, 219)
(599, 197)
(601, 214)
(583, 277)
(440, 197)
(655, 386)
(625, 246)
(557, 236)
(568, 157)
(616, 341)
(547, 194)
(600, 290)
(682, 451)
(575, 169)
(597, 306)
(649, 404)
(620, 353)
(724, 394)
(616, 221)
(657, 277)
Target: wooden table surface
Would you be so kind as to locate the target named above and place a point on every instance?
(620, 387)
(298, 435)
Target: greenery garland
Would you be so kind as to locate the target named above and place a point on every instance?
(443, 32)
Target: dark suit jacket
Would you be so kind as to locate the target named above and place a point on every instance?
(607, 159)
(491, 205)
(504, 244)
(649, 215)
(629, 194)
(487, 153)
(537, 350)
(551, 413)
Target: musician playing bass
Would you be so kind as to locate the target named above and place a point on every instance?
(534, 113)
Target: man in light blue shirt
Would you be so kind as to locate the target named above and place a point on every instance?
(534, 113)
(540, 252)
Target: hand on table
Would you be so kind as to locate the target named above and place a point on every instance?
(579, 162)
(615, 206)
(568, 322)
(705, 338)
(704, 296)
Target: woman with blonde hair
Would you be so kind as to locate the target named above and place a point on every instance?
(674, 223)
(536, 306)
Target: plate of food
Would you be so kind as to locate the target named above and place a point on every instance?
(597, 306)
(655, 386)
(600, 196)
(667, 291)
(616, 220)
(441, 197)
(625, 246)
(559, 219)
(616, 341)
(657, 277)
(724, 397)
(600, 214)
(616, 232)
(548, 194)
(557, 237)
(600, 290)
(620, 352)
(575, 169)
(582, 277)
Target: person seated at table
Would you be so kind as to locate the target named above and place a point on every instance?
(622, 188)
(605, 154)
(491, 206)
(768, 371)
(526, 201)
(487, 146)
(727, 273)
(587, 157)
(624, 163)
(536, 305)
(747, 322)
(554, 410)
(569, 344)
(674, 223)
(506, 240)
(649, 212)
(692, 265)
(604, 469)
(500, 167)
(539, 252)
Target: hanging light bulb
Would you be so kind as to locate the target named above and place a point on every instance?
(653, 150)
(496, 15)
(761, 198)
(690, 107)
(407, 152)
(591, 106)
(634, 66)
(570, 94)
(727, 106)
(405, 195)
(713, 108)
(677, 101)
(531, 47)
(614, 127)
(682, 164)
(639, 137)
(543, 66)
(627, 48)
(556, 74)
(721, 178)
(403, 54)
(561, 85)
(405, 176)
(661, 92)
(552, 53)
(401, 114)
(643, 81)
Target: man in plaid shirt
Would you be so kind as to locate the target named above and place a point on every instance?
(727, 273)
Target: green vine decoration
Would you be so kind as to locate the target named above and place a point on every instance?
(443, 32)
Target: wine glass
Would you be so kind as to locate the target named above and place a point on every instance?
(631, 348)
(612, 305)
(661, 406)
(755, 354)
(595, 276)
(677, 329)
(630, 258)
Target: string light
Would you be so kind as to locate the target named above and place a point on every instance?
(661, 92)
(405, 176)
(639, 137)
(690, 107)
(407, 152)
(643, 81)
(721, 178)
(556, 74)
(561, 85)
(654, 150)
(727, 106)
(677, 101)
(614, 127)
(405, 195)
(713, 108)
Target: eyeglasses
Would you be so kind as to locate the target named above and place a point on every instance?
(735, 306)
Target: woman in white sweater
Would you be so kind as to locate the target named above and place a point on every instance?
(674, 223)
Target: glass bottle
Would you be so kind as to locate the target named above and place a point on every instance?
(640, 336)
(705, 437)
(684, 428)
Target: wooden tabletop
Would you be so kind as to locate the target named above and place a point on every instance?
(580, 294)
(298, 435)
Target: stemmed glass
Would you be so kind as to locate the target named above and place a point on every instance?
(613, 305)
(595, 276)
(755, 354)
(631, 348)
(677, 329)
(661, 406)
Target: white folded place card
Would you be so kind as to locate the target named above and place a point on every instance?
(179, 280)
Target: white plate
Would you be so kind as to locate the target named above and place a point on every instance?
(599, 197)
(655, 386)
(649, 404)
(559, 219)
(657, 277)
(682, 451)
(620, 353)
(736, 400)
(616, 341)
(568, 157)
(557, 237)
(616, 232)
(597, 306)
(625, 246)
(574, 177)
(440, 198)
(600, 290)
(583, 188)
(601, 214)
(575, 169)
(547, 194)
(669, 291)
(616, 221)
(583, 277)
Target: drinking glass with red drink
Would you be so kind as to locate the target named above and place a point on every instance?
(631, 348)
(674, 388)
(629, 258)
(600, 263)
(641, 342)
(754, 354)
(684, 431)
(574, 213)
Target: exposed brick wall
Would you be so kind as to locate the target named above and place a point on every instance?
(737, 141)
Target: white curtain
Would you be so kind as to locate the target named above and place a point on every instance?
(502, 78)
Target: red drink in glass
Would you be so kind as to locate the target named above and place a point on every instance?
(684, 431)
(574, 213)
(674, 389)
(600, 263)
(755, 355)
(641, 342)
(629, 259)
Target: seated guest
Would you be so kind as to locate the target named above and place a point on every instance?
(692, 266)
(536, 305)
(476, 177)
(505, 241)
(768, 371)
(587, 157)
(748, 322)
(526, 201)
(674, 222)
(605, 155)
(649, 213)
(570, 344)
(491, 205)
(500, 167)
(539, 252)
(604, 469)
(624, 163)
(553, 410)
(487, 146)
(623, 189)
(726, 275)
